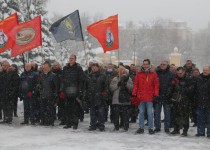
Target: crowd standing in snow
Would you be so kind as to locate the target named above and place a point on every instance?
(121, 91)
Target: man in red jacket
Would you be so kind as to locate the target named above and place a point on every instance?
(146, 88)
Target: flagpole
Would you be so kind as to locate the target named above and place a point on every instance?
(23, 62)
(28, 2)
(84, 42)
(84, 45)
(61, 47)
(119, 60)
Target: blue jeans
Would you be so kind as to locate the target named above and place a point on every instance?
(149, 107)
(167, 115)
(97, 116)
(202, 118)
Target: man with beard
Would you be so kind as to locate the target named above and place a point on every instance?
(203, 98)
(180, 91)
(72, 80)
(189, 67)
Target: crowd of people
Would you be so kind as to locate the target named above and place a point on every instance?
(120, 93)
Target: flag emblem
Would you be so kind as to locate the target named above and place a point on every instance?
(25, 36)
(109, 38)
(106, 32)
(3, 39)
(69, 25)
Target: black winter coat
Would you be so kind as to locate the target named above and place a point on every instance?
(49, 86)
(72, 80)
(97, 89)
(203, 91)
(181, 90)
(10, 82)
(165, 80)
(58, 74)
(3, 76)
(28, 83)
(132, 75)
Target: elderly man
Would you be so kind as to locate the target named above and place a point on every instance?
(9, 88)
(203, 95)
(165, 78)
(27, 91)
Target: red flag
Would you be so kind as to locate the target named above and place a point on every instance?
(106, 32)
(5, 26)
(26, 36)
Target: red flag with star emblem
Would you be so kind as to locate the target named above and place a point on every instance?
(26, 36)
(5, 26)
(106, 32)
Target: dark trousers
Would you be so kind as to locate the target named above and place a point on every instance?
(37, 108)
(106, 113)
(194, 113)
(124, 111)
(47, 111)
(203, 117)
(29, 109)
(7, 106)
(61, 111)
(167, 115)
(15, 103)
(72, 111)
(134, 111)
(97, 117)
(1, 110)
(181, 116)
(81, 113)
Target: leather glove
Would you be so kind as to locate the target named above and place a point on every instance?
(61, 95)
(156, 99)
(29, 94)
(119, 84)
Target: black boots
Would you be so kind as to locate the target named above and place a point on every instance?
(184, 133)
(151, 131)
(140, 131)
(175, 132)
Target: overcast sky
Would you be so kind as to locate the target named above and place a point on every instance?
(195, 12)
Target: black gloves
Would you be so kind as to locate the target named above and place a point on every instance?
(119, 83)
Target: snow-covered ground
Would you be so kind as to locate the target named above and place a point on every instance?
(17, 137)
